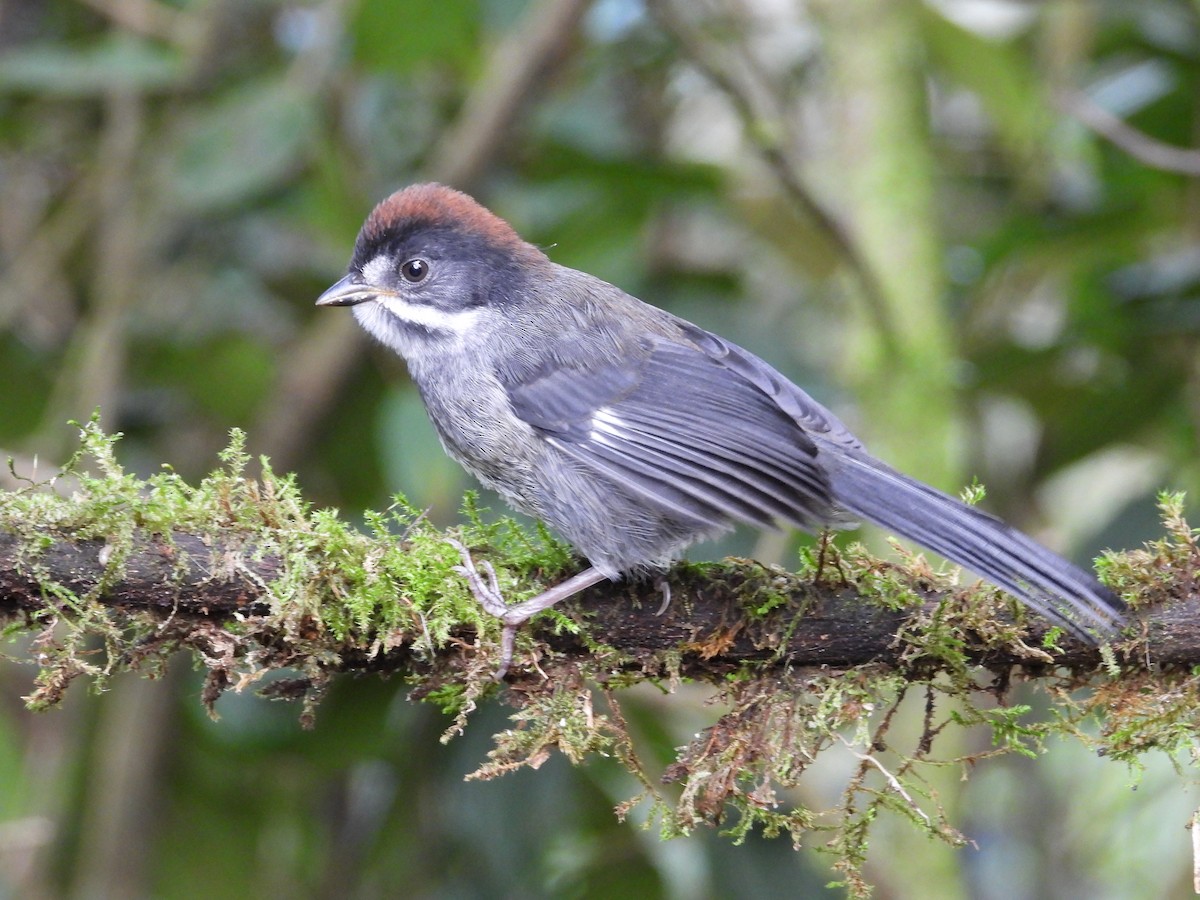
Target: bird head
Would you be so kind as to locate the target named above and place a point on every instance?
(429, 264)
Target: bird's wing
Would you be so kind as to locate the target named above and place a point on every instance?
(802, 409)
(684, 429)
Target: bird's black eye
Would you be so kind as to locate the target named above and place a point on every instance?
(415, 270)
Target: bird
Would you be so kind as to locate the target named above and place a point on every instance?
(633, 433)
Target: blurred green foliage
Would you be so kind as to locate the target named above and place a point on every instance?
(179, 180)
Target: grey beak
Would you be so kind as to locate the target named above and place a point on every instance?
(348, 292)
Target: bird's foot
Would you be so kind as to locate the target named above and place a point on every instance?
(487, 595)
(491, 600)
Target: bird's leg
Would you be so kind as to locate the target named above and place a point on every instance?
(488, 596)
(825, 541)
(822, 544)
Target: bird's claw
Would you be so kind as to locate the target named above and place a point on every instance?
(664, 588)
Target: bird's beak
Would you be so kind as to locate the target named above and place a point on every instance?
(348, 292)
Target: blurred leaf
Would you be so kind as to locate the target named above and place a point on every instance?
(241, 146)
(400, 37)
(635, 176)
(1004, 79)
(594, 209)
(1083, 414)
(347, 447)
(20, 409)
(229, 379)
(112, 63)
(413, 459)
(224, 376)
(329, 201)
(14, 785)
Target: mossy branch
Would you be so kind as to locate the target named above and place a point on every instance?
(155, 565)
(723, 616)
(125, 572)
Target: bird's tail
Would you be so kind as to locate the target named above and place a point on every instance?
(1062, 592)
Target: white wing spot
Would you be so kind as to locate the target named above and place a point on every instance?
(605, 424)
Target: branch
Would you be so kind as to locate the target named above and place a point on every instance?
(193, 584)
(1120, 133)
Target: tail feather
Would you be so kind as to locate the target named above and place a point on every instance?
(1062, 592)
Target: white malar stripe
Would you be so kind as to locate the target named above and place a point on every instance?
(387, 319)
(459, 321)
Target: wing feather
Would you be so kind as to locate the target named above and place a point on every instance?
(676, 430)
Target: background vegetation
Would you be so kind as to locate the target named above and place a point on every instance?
(967, 226)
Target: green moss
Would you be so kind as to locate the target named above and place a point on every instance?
(338, 591)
